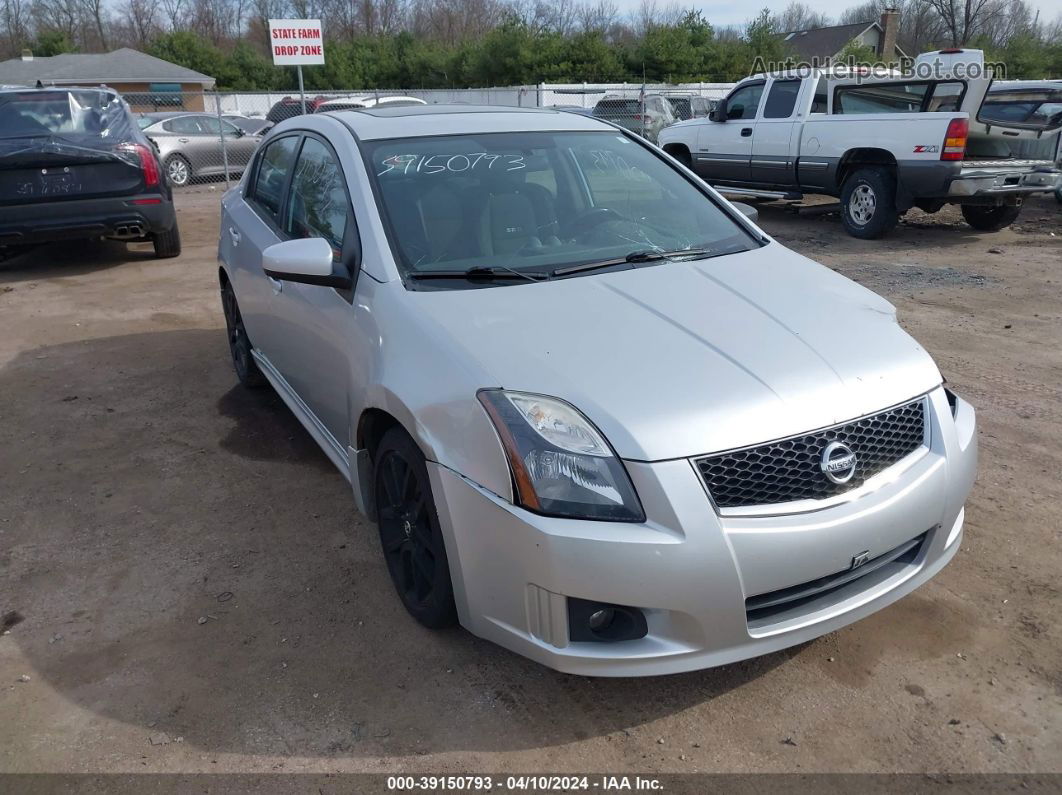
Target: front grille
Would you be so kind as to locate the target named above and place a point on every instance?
(790, 469)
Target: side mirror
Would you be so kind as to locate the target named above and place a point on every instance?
(305, 260)
(718, 113)
(747, 210)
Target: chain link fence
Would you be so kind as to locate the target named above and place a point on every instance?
(207, 139)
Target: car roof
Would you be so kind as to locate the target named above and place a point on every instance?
(415, 121)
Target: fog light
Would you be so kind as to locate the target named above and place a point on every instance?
(601, 622)
(601, 619)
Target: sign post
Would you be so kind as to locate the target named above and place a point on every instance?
(295, 42)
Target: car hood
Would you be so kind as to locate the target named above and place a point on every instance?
(685, 358)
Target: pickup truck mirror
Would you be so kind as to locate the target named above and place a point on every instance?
(307, 260)
(718, 113)
(747, 210)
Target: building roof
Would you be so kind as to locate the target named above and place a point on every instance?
(823, 43)
(120, 66)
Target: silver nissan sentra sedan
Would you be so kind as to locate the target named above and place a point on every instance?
(599, 417)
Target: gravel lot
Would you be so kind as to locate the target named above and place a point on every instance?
(188, 588)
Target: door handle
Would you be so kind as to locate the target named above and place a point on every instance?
(183, 140)
(235, 236)
(746, 132)
(276, 284)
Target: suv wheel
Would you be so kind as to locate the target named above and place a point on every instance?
(990, 219)
(179, 171)
(239, 344)
(409, 531)
(868, 203)
(167, 244)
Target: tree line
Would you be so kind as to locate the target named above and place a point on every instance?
(469, 43)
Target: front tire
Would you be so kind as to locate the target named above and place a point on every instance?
(681, 154)
(990, 219)
(409, 531)
(868, 203)
(178, 171)
(239, 343)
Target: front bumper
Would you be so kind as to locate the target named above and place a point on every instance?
(23, 224)
(689, 569)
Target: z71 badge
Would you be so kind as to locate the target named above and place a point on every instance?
(928, 149)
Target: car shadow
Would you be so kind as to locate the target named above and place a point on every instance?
(184, 559)
(71, 258)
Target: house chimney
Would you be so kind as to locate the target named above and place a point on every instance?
(890, 26)
(27, 55)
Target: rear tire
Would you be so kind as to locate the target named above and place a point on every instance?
(868, 203)
(167, 244)
(412, 541)
(1058, 194)
(239, 343)
(990, 219)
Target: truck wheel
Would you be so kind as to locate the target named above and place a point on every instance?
(681, 154)
(409, 531)
(868, 203)
(167, 244)
(990, 219)
(1058, 194)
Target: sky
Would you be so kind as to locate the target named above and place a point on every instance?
(738, 13)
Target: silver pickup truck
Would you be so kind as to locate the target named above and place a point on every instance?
(882, 144)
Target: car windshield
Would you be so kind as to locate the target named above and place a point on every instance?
(538, 202)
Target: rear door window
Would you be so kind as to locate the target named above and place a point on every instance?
(183, 125)
(782, 99)
(317, 204)
(274, 166)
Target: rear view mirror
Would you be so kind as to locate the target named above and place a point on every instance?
(306, 260)
(747, 210)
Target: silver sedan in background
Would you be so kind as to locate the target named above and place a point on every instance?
(599, 416)
(189, 144)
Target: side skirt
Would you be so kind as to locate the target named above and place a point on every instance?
(336, 452)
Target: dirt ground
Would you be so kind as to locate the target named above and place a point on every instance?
(187, 586)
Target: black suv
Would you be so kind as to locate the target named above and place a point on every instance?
(74, 164)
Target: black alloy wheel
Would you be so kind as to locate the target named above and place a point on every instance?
(409, 531)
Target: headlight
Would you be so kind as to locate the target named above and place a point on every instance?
(561, 464)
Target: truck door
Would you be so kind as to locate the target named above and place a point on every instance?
(724, 148)
(774, 153)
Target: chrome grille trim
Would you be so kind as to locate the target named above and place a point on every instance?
(738, 484)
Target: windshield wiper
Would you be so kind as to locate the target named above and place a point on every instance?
(634, 258)
(482, 273)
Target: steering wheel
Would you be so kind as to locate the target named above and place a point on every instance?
(589, 220)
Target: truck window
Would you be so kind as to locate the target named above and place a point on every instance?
(946, 97)
(880, 98)
(742, 104)
(781, 99)
(820, 103)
